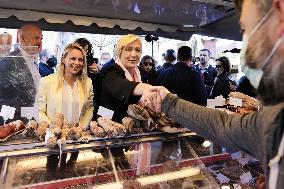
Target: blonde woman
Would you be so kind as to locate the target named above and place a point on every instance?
(68, 91)
(121, 82)
(122, 85)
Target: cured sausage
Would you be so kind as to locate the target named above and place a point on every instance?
(11, 129)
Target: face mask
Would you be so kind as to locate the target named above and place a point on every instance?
(255, 75)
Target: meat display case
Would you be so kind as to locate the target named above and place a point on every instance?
(176, 160)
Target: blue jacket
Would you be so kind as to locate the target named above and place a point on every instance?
(44, 70)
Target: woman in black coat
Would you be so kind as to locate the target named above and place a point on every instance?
(148, 70)
(122, 86)
(222, 82)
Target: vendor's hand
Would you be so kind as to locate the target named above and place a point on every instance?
(260, 182)
(161, 90)
(152, 100)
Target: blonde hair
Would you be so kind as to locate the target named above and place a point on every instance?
(82, 75)
(123, 42)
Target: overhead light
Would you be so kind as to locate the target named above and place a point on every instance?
(206, 144)
(225, 187)
(188, 26)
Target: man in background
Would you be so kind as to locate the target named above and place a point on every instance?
(19, 75)
(181, 80)
(105, 57)
(170, 58)
(207, 71)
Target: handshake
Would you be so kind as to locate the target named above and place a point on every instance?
(153, 96)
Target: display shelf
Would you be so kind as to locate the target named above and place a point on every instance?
(18, 148)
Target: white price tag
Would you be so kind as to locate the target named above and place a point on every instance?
(237, 186)
(246, 178)
(236, 102)
(29, 112)
(220, 100)
(243, 161)
(48, 135)
(211, 103)
(104, 112)
(237, 155)
(222, 178)
(7, 112)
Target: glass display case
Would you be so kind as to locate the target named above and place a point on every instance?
(155, 160)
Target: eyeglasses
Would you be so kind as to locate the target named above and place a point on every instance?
(148, 63)
(218, 66)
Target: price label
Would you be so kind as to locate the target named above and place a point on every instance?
(104, 112)
(29, 112)
(246, 178)
(211, 103)
(7, 112)
(218, 101)
(243, 161)
(236, 102)
(237, 186)
(222, 178)
(237, 155)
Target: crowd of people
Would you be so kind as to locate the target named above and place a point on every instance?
(178, 88)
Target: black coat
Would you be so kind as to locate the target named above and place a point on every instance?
(245, 87)
(148, 77)
(164, 67)
(185, 82)
(117, 92)
(208, 77)
(97, 88)
(17, 88)
(221, 86)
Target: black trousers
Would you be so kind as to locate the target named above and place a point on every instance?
(53, 160)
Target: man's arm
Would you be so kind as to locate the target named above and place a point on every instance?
(243, 132)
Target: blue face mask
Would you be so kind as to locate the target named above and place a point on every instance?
(255, 75)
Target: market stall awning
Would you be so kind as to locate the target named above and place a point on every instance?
(169, 18)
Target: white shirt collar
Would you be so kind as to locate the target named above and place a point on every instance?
(28, 57)
(205, 67)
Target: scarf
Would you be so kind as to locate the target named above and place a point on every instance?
(136, 75)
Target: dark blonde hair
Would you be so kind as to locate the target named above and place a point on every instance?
(82, 75)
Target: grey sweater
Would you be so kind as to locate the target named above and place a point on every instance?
(258, 134)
